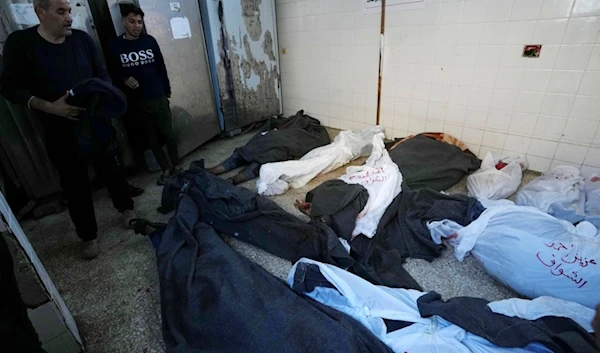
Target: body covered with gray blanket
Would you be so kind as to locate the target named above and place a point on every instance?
(216, 300)
(427, 163)
(279, 140)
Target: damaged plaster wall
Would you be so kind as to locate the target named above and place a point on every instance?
(251, 13)
(249, 25)
(268, 45)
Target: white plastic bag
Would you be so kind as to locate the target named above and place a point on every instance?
(491, 183)
(530, 251)
(558, 192)
(382, 179)
(277, 178)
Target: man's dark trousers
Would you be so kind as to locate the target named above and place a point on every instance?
(74, 179)
(152, 119)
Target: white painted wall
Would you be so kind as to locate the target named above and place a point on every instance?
(331, 61)
(454, 66)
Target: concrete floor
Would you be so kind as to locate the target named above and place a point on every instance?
(115, 298)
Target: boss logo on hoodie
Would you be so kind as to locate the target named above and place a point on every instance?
(136, 58)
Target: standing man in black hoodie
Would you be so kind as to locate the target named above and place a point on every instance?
(136, 64)
(41, 64)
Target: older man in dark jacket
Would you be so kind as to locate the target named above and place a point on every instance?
(41, 64)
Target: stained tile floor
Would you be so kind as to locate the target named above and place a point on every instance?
(115, 298)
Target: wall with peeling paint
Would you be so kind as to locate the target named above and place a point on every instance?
(252, 48)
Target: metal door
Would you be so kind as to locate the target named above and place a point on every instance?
(195, 118)
(25, 151)
(244, 48)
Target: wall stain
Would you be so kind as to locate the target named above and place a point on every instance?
(256, 103)
(268, 45)
(251, 14)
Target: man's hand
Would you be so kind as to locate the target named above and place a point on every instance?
(61, 108)
(58, 107)
(132, 83)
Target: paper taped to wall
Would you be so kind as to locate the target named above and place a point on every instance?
(180, 26)
(175, 6)
(24, 14)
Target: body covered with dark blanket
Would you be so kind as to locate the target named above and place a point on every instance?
(428, 163)
(280, 140)
(215, 300)
(244, 215)
(337, 204)
(290, 138)
(251, 218)
(403, 233)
